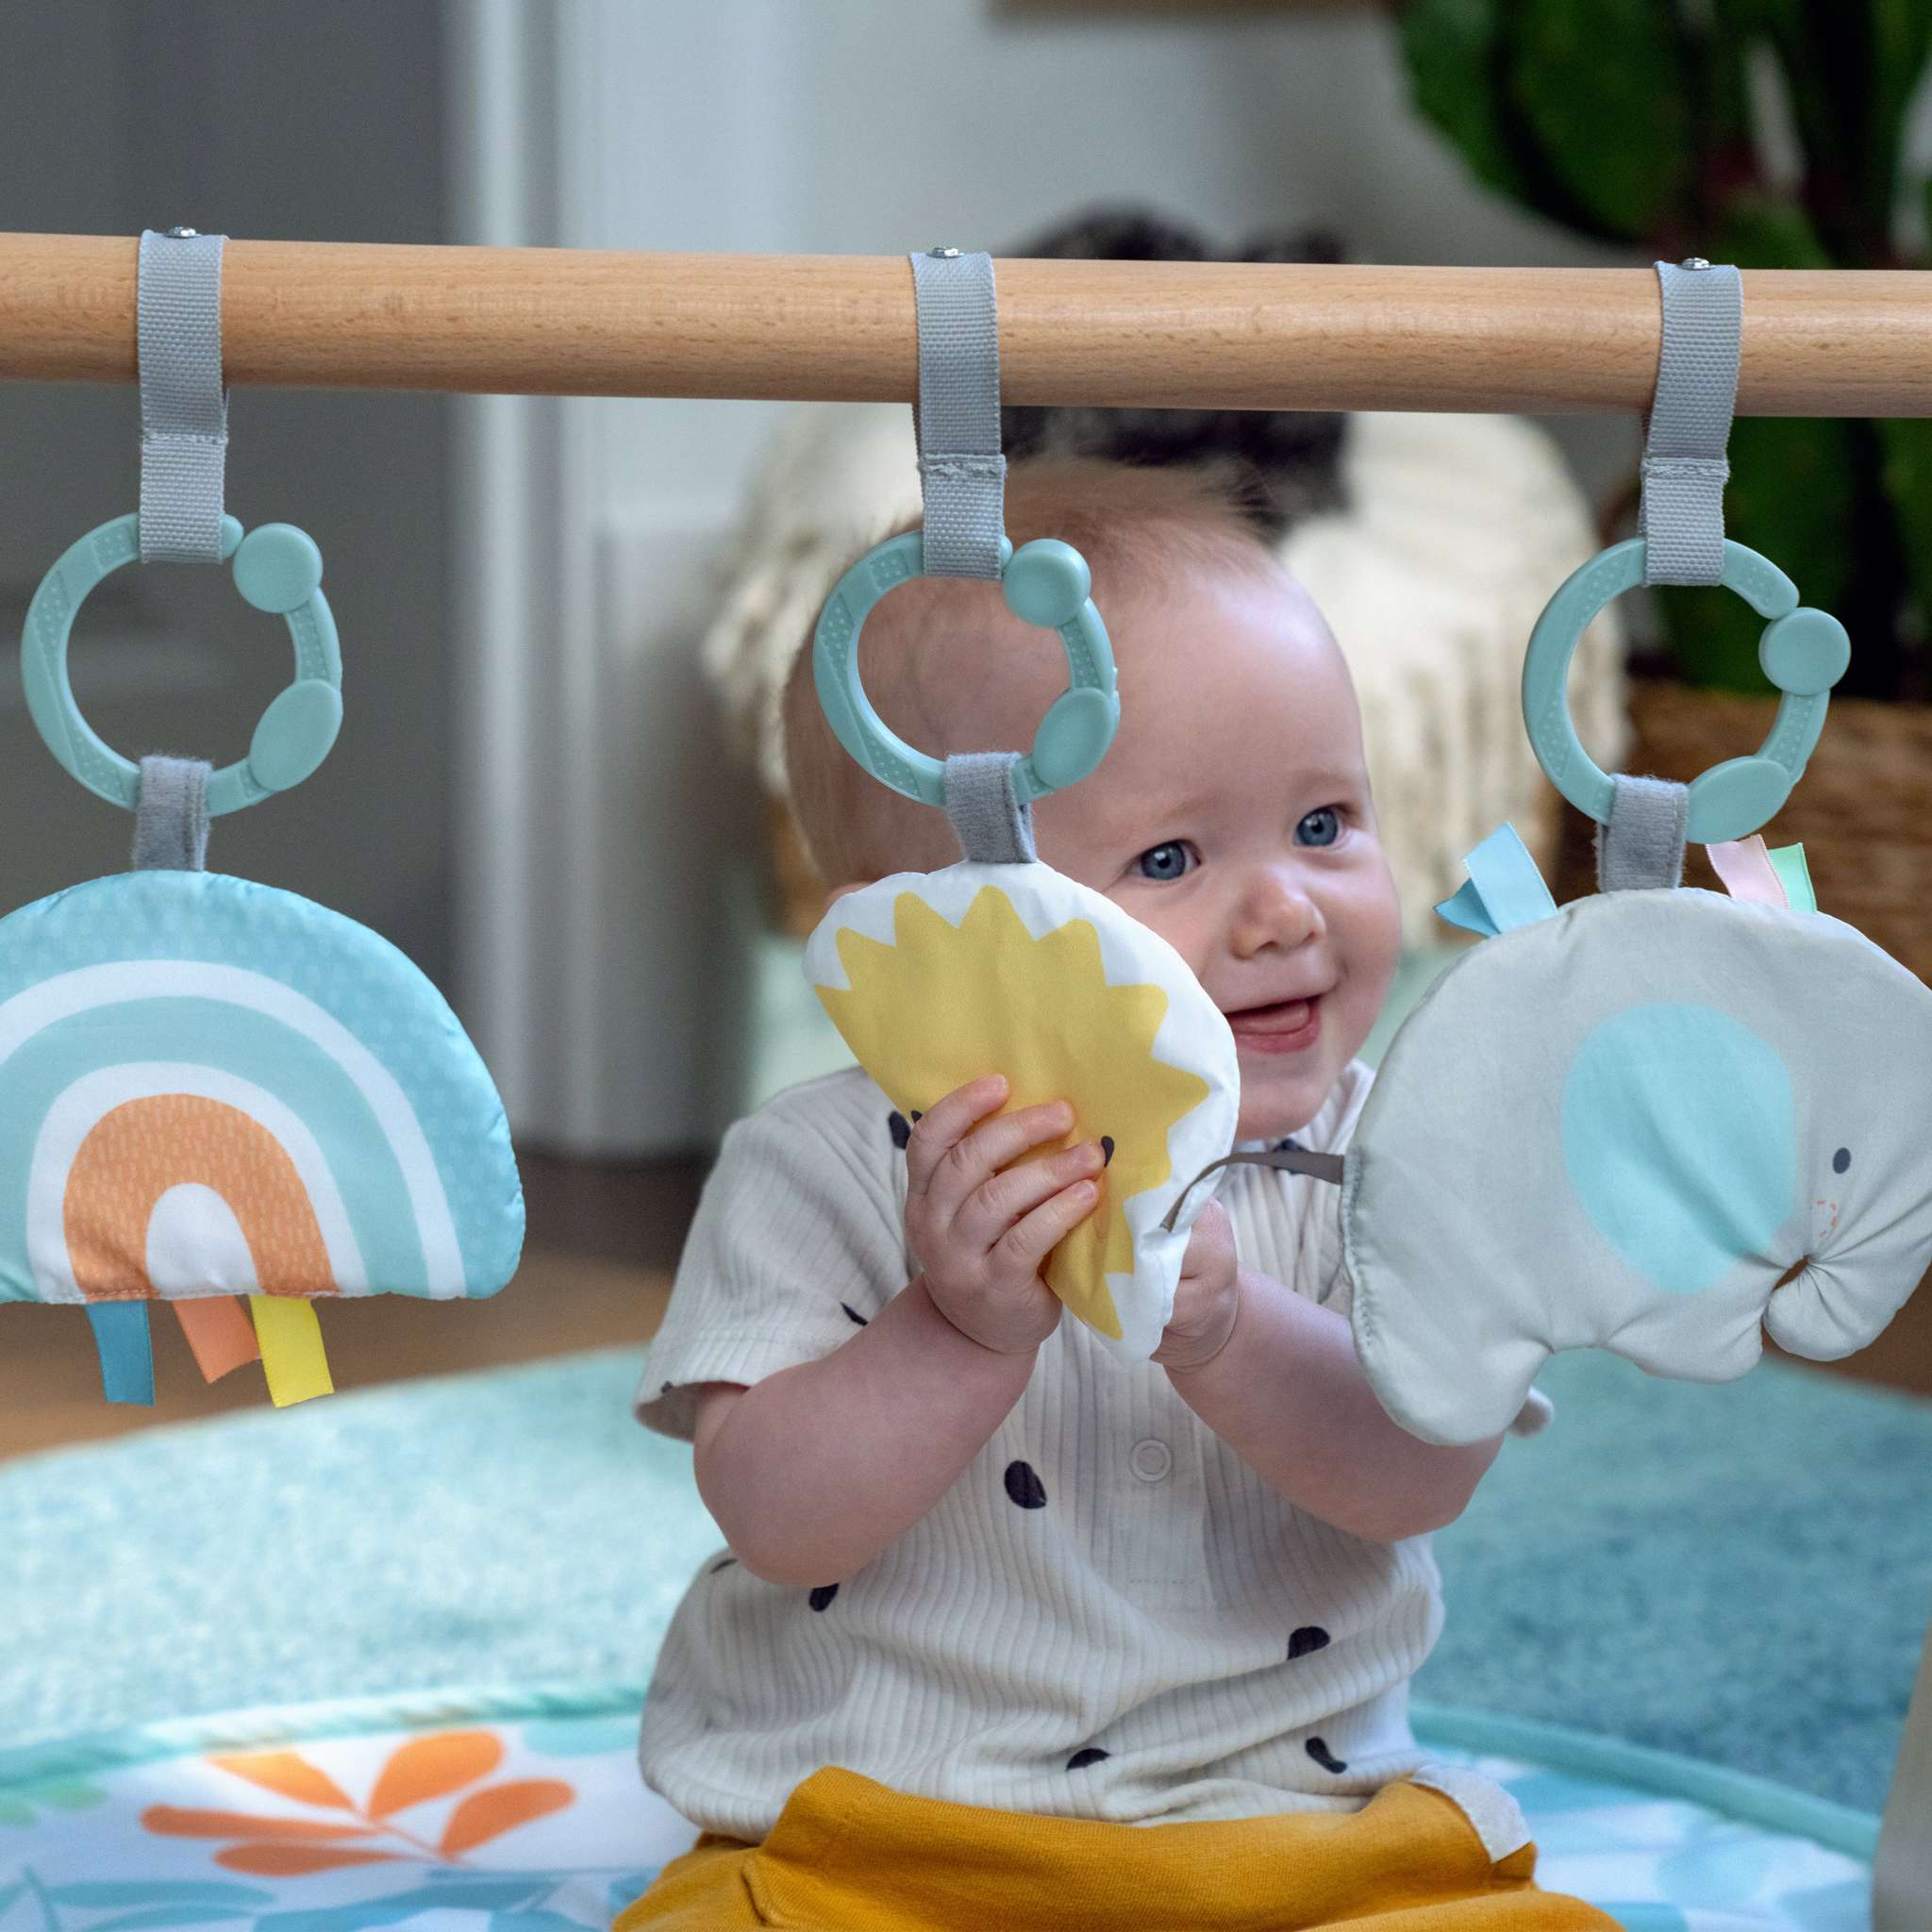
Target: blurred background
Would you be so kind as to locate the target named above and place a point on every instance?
(564, 620)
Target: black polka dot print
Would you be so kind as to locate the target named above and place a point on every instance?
(1841, 1160)
(1290, 1145)
(1325, 1757)
(820, 1599)
(1025, 1487)
(917, 1116)
(901, 1131)
(1107, 1150)
(667, 1387)
(1311, 1637)
(853, 1314)
(1093, 1754)
(723, 1563)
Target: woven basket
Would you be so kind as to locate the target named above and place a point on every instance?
(1862, 811)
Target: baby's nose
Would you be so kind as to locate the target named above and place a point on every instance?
(1276, 910)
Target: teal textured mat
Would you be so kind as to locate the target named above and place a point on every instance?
(1741, 1574)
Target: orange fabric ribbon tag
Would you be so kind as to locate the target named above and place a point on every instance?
(219, 1332)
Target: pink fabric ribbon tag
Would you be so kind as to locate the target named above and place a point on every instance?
(1745, 868)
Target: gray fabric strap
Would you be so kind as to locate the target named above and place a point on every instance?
(995, 828)
(1642, 845)
(1317, 1167)
(1681, 515)
(171, 815)
(184, 410)
(961, 472)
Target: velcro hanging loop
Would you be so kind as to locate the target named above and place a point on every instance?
(184, 408)
(1681, 513)
(994, 827)
(961, 471)
(171, 815)
(1642, 843)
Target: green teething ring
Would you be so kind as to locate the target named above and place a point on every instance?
(278, 567)
(1804, 652)
(1045, 582)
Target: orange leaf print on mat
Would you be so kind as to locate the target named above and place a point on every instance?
(433, 1768)
(288, 1773)
(295, 1861)
(172, 1821)
(501, 1809)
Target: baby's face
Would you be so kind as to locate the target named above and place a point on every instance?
(1232, 815)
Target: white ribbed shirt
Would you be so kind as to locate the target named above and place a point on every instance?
(1108, 1615)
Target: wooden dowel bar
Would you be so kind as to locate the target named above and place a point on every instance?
(1190, 335)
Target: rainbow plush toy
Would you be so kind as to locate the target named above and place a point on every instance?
(214, 1088)
(211, 1088)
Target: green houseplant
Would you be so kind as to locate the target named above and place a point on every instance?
(1769, 133)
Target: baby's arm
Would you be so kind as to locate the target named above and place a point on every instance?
(813, 1471)
(1285, 1390)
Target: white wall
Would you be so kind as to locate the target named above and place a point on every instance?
(592, 926)
(872, 127)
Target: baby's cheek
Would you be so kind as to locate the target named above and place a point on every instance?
(1380, 917)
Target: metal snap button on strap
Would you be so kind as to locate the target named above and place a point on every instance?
(1151, 1460)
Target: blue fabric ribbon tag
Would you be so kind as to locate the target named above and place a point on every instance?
(1504, 888)
(120, 1339)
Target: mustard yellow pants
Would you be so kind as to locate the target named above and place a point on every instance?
(849, 1855)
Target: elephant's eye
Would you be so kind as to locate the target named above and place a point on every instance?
(1841, 1160)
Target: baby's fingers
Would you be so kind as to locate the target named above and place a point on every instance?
(1028, 1243)
(1015, 1191)
(947, 1121)
(994, 1144)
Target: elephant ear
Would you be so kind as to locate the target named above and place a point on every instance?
(1679, 1139)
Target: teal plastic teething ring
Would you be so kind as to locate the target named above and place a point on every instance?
(1045, 582)
(278, 567)
(1804, 652)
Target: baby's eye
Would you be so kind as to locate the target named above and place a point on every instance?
(1321, 826)
(1164, 862)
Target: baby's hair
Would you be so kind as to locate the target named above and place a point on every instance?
(932, 651)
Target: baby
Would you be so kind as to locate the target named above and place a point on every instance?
(1009, 1635)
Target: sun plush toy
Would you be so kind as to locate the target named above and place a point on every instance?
(1002, 965)
(938, 978)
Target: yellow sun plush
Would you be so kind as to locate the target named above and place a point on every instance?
(937, 978)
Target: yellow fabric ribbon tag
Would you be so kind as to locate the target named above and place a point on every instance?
(292, 1357)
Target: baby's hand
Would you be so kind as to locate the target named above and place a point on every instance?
(983, 1221)
(1207, 1296)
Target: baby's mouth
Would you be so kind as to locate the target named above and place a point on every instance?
(1281, 1025)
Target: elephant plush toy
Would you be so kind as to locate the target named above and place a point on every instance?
(1663, 1121)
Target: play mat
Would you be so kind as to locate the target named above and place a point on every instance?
(520, 1812)
(515, 1532)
